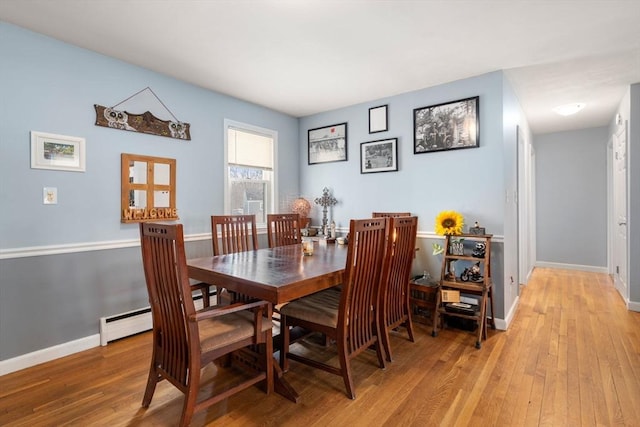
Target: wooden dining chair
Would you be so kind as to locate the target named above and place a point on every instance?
(389, 214)
(238, 233)
(349, 316)
(283, 229)
(186, 340)
(394, 293)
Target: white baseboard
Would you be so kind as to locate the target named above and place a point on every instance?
(589, 268)
(129, 326)
(48, 354)
(503, 324)
(633, 306)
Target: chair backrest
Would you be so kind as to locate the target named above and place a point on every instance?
(394, 293)
(238, 233)
(165, 270)
(359, 314)
(283, 229)
(389, 214)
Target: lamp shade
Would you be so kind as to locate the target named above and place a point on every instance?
(302, 207)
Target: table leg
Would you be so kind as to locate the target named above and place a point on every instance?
(281, 385)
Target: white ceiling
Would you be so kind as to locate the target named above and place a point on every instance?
(303, 57)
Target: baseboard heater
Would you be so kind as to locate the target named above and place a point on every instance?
(133, 322)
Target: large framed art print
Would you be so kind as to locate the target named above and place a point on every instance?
(447, 126)
(328, 144)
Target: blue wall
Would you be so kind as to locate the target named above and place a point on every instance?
(50, 86)
(470, 181)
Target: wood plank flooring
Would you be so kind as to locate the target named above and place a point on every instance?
(570, 358)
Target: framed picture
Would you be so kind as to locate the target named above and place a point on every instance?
(328, 144)
(447, 126)
(378, 119)
(57, 152)
(379, 156)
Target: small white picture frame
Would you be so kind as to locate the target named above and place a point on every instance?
(57, 152)
(378, 119)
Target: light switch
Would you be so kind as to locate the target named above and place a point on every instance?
(50, 195)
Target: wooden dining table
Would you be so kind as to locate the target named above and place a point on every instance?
(277, 275)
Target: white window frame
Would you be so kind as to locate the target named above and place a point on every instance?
(260, 131)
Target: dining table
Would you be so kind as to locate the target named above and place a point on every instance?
(278, 275)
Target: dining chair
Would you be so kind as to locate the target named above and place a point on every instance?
(238, 233)
(395, 308)
(349, 316)
(283, 229)
(186, 340)
(389, 214)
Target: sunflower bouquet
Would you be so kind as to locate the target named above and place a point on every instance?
(449, 223)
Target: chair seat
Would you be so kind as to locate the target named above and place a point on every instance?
(222, 331)
(321, 308)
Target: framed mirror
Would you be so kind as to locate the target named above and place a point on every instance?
(148, 188)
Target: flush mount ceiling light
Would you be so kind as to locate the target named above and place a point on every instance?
(569, 109)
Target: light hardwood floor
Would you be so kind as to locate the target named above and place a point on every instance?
(571, 357)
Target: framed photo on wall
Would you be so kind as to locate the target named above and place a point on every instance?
(379, 156)
(447, 126)
(57, 152)
(328, 144)
(378, 119)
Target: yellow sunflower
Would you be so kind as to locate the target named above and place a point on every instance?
(449, 223)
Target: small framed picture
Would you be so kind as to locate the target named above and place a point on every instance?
(379, 156)
(447, 126)
(328, 144)
(57, 152)
(477, 230)
(378, 118)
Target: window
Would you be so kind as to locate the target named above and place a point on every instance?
(250, 164)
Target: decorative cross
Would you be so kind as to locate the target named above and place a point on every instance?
(325, 201)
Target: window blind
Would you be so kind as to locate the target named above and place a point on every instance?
(250, 149)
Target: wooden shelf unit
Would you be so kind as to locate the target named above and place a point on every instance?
(452, 280)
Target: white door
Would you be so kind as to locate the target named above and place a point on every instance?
(620, 212)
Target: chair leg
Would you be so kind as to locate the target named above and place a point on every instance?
(345, 367)
(190, 398)
(152, 381)
(380, 353)
(409, 325)
(379, 345)
(385, 341)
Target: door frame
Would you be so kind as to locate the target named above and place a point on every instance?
(621, 130)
